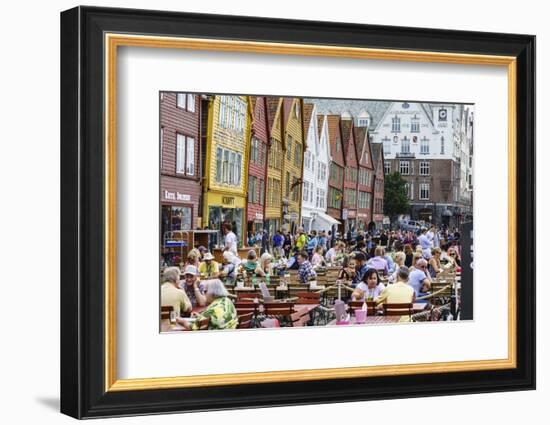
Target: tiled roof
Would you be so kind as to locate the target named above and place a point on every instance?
(375, 108)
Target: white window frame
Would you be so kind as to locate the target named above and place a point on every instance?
(404, 165)
(424, 187)
(405, 145)
(424, 168)
(181, 100)
(180, 153)
(387, 168)
(190, 102)
(190, 156)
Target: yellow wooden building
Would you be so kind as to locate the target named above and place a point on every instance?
(273, 198)
(293, 160)
(226, 158)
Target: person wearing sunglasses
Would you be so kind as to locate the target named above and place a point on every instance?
(420, 277)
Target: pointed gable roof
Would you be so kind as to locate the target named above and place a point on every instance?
(362, 144)
(346, 126)
(272, 107)
(320, 119)
(335, 136)
(308, 110)
(377, 150)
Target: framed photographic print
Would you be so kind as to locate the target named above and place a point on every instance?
(261, 212)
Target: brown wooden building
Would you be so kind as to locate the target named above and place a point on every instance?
(257, 166)
(349, 211)
(336, 169)
(365, 179)
(180, 166)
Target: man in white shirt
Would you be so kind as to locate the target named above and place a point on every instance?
(230, 241)
(426, 244)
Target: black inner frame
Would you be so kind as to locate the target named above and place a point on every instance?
(82, 212)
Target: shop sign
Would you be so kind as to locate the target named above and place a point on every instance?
(345, 214)
(293, 216)
(351, 214)
(176, 196)
(259, 216)
(386, 220)
(362, 215)
(228, 200)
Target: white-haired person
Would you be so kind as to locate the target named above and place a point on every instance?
(419, 278)
(170, 293)
(221, 310)
(192, 287)
(265, 267)
(399, 259)
(230, 265)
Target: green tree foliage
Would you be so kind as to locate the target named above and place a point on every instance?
(396, 200)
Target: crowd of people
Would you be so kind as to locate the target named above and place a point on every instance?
(406, 261)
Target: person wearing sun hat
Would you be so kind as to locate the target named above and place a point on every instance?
(192, 287)
(209, 269)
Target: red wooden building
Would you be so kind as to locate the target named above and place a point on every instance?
(180, 169)
(365, 179)
(349, 210)
(257, 166)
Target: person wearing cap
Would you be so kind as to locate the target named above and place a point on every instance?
(171, 295)
(209, 269)
(192, 287)
(401, 292)
(361, 267)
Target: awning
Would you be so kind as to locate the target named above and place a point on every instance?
(324, 219)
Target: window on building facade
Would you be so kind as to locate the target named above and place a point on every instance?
(289, 147)
(185, 155)
(186, 101)
(415, 125)
(254, 150)
(261, 191)
(297, 111)
(396, 124)
(297, 154)
(387, 167)
(424, 191)
(335, 199)
(424, 146)
(470, 181)
(232, 114)
(405, 145)
(442, 145)
(386, 144)
(295, 189)
(305, 191)
(424, 168)
(307, 160)
(362, 122)
(404, 167)
(252, 189)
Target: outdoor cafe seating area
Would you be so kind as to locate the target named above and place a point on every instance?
(282, 301)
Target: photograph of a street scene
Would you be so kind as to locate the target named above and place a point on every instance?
(290, 212)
